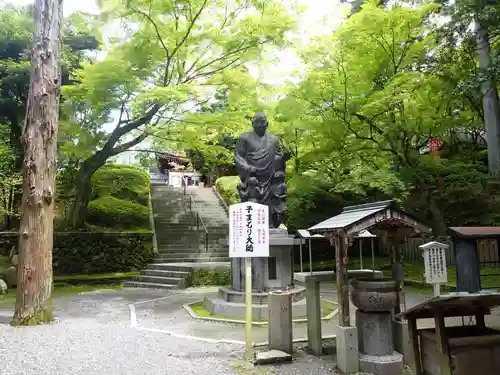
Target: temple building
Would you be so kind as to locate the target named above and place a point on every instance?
(173, 167)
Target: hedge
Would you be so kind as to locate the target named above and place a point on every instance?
(94, 252)
(114, 212)
(227, 188)
(121, 181)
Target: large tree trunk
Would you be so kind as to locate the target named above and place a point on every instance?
(34, 276)
(491, 103)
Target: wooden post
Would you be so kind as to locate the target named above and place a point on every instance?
(301, 266)
(360, 254)
(342, 279)
(415, 345)
(442, 343)
(480, 323)
(310, 259)
(248, 308)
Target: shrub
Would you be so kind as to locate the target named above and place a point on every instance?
(125, 182)
(92, 253)
(8, 240)
(227, 188)
(114, 212)
(203, 277)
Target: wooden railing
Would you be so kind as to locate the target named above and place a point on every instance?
(194, 212)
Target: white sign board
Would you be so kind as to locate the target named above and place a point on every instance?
(248, 230)
(434, 254)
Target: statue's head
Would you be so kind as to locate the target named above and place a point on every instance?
(260, 123)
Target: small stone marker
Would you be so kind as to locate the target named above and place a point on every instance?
(272, 357)
(3, 288)
(280, 321)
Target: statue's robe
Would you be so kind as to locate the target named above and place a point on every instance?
(265, 156)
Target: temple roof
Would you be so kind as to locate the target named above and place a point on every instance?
(355, 219)
(167, 158)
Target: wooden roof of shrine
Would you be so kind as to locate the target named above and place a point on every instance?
(475, 232)
(355, 219)
(454, 304)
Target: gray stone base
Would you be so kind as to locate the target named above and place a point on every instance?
(217, 306)
(374, 332)
(381, 365)
(231, 295)
(402, 342)
(330, 275)
(272, 357)
(347, 350)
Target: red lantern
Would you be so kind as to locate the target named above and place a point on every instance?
(434, 144)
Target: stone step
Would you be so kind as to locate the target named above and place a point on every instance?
(159, 279)
(166, 232)
(196, 249)
(169, 245)
(165, 273)
(142, 284)
(188, 239)
(167, 258)
(168, 267)
(193, 260)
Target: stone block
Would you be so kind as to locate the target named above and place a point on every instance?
(10, 276)
(313, 302)
(3, 288)
(14, 260)
(280, 322)
(347, 349)
(272, 357)
(217, 306)
(381, 365)
(374, 332)
(401, 339)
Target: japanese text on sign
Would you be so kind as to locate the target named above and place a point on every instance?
(248, 230)
(434, 254)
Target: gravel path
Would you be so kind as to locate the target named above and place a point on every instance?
(93, 336)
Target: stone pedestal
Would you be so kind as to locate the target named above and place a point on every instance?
(313, 302)
(280, 322)
(402, 341)
(347, 350)
(273, 273)
(374, 332)
(375, 300)
(268, 274)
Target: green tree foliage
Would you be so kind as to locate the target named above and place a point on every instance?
(15, 38)
(173, 55)
(120, 197)
(359, 122)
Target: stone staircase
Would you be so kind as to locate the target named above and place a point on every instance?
(181, 238)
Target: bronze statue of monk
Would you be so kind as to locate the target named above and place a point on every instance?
(261, 163)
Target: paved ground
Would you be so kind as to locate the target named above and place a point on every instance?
(100, 334)
(94, 336)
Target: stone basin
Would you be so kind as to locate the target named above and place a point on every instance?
(369, 294)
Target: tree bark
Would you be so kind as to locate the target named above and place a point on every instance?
(491, 103)
(84, 190)
(34, 276)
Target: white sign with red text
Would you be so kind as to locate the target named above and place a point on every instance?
(248, 230)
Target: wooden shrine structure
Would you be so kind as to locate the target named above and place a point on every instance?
(384, 220)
